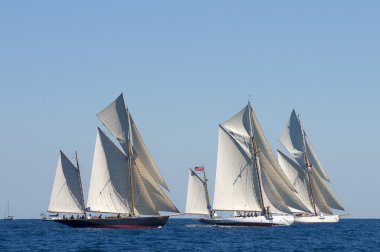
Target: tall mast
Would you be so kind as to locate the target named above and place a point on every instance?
(308, 168)
(130, 164)
(80, 182)
(255, 159)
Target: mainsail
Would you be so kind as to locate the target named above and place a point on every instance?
(125, 181)
(196, 201)
(67, 195)
(248, 177)
(306, 172)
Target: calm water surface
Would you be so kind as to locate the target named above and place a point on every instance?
(189, 235)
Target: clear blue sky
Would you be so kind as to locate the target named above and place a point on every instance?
(185, 67)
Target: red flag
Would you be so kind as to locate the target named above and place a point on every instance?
(199, 168)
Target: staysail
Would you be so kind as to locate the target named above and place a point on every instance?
(248, 177)
(306, 171)
(196, 201)
(66, 196)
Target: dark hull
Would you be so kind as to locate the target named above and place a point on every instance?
(128, 222)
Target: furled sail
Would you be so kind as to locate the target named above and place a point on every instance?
(196, 201)
(237, 185)
(66, 196)
(109, 186)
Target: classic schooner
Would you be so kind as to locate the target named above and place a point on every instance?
(125, 183)
(249, 180)
(307, 175)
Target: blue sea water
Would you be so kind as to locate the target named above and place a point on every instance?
(189, 235)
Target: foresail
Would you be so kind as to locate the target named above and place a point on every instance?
(196, 201)
(144, 155)
(297, 176)
(236, 187)
(66, 196)
(325, 192)
(109, 190)
(314, 160)
(277, 187)
(160, 200)
(115, 119)
(272, 197)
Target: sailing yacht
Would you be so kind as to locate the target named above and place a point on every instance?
(249, 180)
(7, 216)
(125, 182)
(308, 176)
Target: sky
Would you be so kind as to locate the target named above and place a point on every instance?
(184, 67)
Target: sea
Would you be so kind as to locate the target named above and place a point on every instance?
(182, 234)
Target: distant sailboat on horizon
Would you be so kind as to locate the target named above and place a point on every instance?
(249, 181)
(7, 215)
(125, 183)
(307, 175)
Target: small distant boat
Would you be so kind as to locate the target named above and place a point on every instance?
(7, 216)
(308, 176)
(249, 181)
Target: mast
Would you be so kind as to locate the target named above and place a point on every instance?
(255, 160)
(308, 169)
(80, 182)
(130, 165)
(206, 191)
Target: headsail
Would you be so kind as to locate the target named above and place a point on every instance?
(66, 196)
(196, 201)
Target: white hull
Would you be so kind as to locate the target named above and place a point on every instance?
(275, 220)
(316, 219)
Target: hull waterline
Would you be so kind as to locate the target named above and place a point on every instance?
(127, 222)
(259, 221)
(316, 219)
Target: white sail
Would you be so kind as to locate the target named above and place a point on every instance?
(279, 188)
(160, 200)
(196, 201)
(311, 187)
(314, 160)
(236, 186)
(66, 196)
(146, 158)
(265, 150)
(297, 176)
(325, 192)
(109, 186)
(115, 119)
(292, 138)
